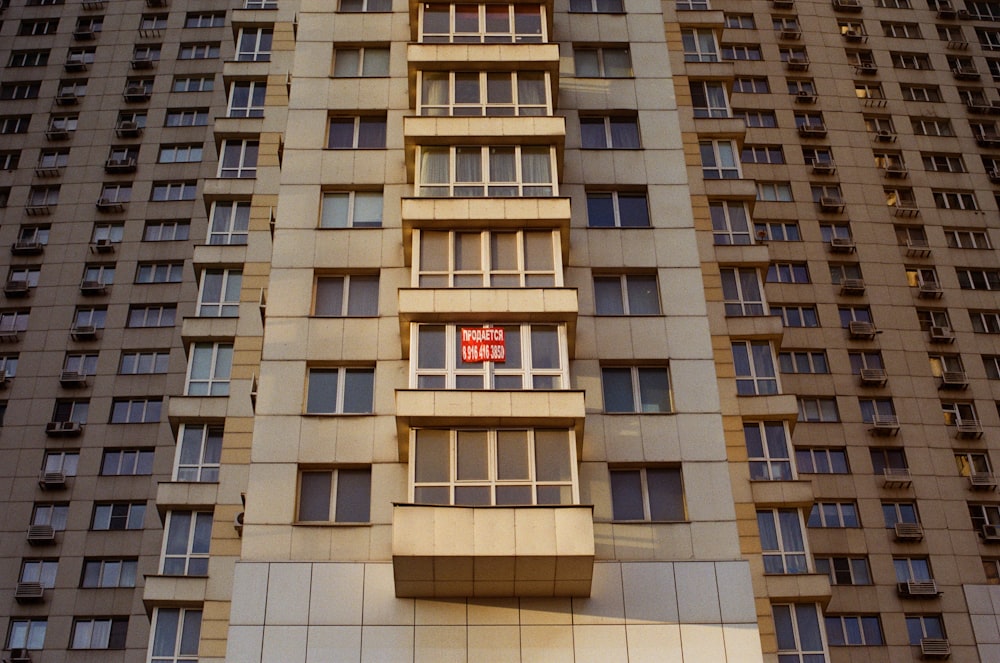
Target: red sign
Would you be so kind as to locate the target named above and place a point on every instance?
(483, 344)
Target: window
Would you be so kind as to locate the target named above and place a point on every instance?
(842, 272)
(144, 363)
(893, 4)
(920, 627)
(617, 209)
(127, 462)
(90, 317)
(709, 99)
(756, 118)
(198, 51)
(778, 231)
(359, 133)
(699, 45)
(8, 365)
(800, 638)
(145, 56)
(162, 315)
(719, 160)
(151, 23)
(28, 59)
(864, 361)
(967, 239)
(9, 159)
(849, 314)
(991, 364)
(504, 467)
(75, 411)
(943, 163)
(484, 93)
(955, 200)
(636, 389)
(180, 153)
(206, 20)
(209, 369)
(341, 391)
(26, 634)
(186, 543)
(26, 275)
(854, 630)
(43, 196)
(176, 632)
(219, 293)
(821, 461)
(845, 570)
(830, 231)
(920, 92)
(17, 91)
(971, 464)
(923, 126)
(489, 258)
(99, 633)
(166, 231)
(125, 117)
(741, 291)
(782, 543)
(603, 62)
(751, 85)
(49, 159)
(609, 132)
(186, 117)
(754, 363)
(797, 316)
(876, 409)
(246, 99)
(350, 209)
(14, 320)
(734, 21)
(730, 222)
(910, 60)
(985, 322)
(773, 154)
(53, 515)
(365, 5)
(901, 512)
(443, 23)
(260, 4)
(834, 514)
(978, 279)
(163, 191)
(14, 124)
(230, 222)
(160, 273)
(42, 571)
(803, 361)
(596, 6)
(911, 236)
(198, 453)
(741, 52)
(368, 62)
(626, 294)
(84, 364)
(238, 158)
(120, 516)
(36, 28)
(818, 410)
(767, 449)
(983, 515)
(350, 295)
(901, 30)
(774, 192)
(493, 171)
(991, 567)
(788, 272)
(933, 318)
(649, 494)
(341, 495)
(136, 411)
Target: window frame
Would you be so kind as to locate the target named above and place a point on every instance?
(199, 452)
(506, 258)
(330, 212)
(628, 285)
(645, 398)
(214, 381)
(318, 404)
(482, 182)
(175, 634)
(348, 502)
(676, 512)
(219, 292)
(185, 549)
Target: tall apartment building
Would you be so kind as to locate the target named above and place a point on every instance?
(374, 331)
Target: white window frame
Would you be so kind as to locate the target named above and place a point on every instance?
(451, 246)
(482, 183)
(768, 450)
(516, 102)
(211, 378)
(709, 99)
(199, 448)
(730, 222)
(568, 484)
(144, 362)
(985, 322)
(788, 272)
(159, 272)
(520, 368)
(183, 553)
(171, 191)
(844, 570)
(190, 153)
(957, 200)
(219, 293)
(137, 410)
(175, 635)
(83, 363)
(775, 192)
(103, 274)
(256, 99)
(720, 160)
(834, 515)
(742, 291)
(821, 460)
(26, 633)
(238, 159)
(536, 33)
(127, 462)
(166, 231)
(42, 571)
(14, 320)
(192, 84)
(230, 222)
(700, 45)
(104, 516)
(756, 368)
(205, 51)
(777, 529)
(54, 515)
(818, 409)
(158, 309)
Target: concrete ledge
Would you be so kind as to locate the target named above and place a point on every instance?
(797, 494)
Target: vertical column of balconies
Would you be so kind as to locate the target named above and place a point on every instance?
(509, 136)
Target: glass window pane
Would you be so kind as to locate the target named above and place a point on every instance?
(359, 390)
(353, 495)
(432, 457)
(512, 456)
(552, 456)
(617, 384)
(472, 461)
(626, 495)
(314, 496)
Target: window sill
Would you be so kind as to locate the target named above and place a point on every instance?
(299, 523)
(338, 414)
(612, 414)
(645, 522)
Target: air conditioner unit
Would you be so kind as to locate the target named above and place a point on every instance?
(20, 656)
(885, 136)
(103, 245)
(874, 376)
(128, 129)
(16, 288)
(72, 379)
(56, 133)
(969, 429)
(991, 532)
(930, 289)
(790, 34)
(893, 477)
(41, 534)
(918, 589)
(964, 14)
(824, 167)
(982, 480)
(954, 380)
(238, 523)
(67, 98)
(842, 244)
(935, 648)
(831, 204)
(908, 532)
(9, 335)
(63, 428)
(860, 329)
(885, 424)
(93, 288)
(51, 480)
(27, 247)
(110, 205)
(28, 592)
(852, 287)
(942, 334)
(83, 332)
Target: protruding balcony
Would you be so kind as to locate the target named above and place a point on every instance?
(493, 551)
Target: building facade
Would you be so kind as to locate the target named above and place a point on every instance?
(375, 331)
